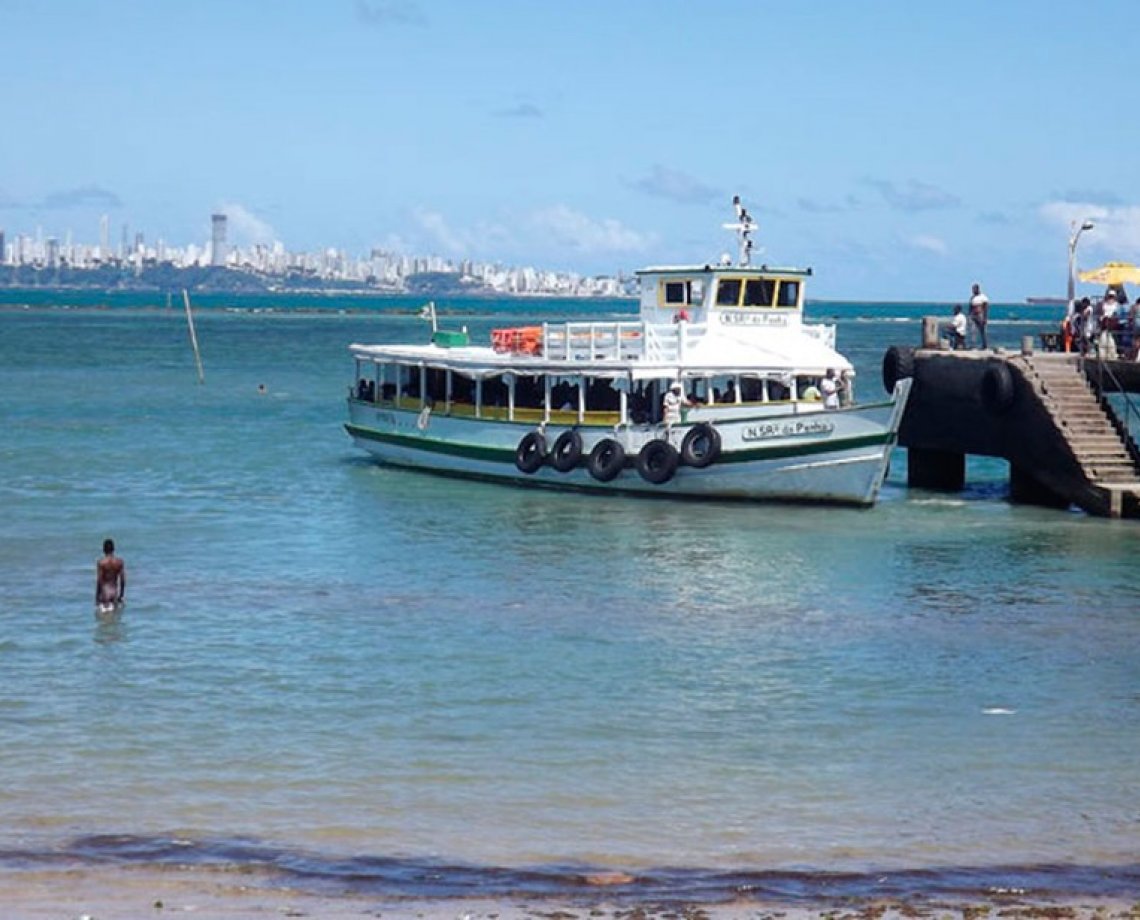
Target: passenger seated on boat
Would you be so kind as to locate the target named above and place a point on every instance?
(811, 392)
(362, 389)
(388, 392)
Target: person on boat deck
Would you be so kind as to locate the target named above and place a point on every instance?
(956, 329)
(681, 316)
(110, 576)
(671, 404)
(830, 386)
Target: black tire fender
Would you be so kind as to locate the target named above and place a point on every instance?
(898, 363)
(997, 389)
(657, 461)
(531, 452)
(606, 460)
(567, 451)
(701, 446)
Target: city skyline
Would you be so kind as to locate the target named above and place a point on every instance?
(381, 270)
(901, 150)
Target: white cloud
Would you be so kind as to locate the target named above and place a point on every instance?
(382, 13)
(914, 195)
(675, 185)
(535, 239)
(928, 243)
(576, 231)
(245, 227)
(436, 228)
(1115, 233)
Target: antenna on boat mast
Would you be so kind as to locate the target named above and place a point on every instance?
(744, 226)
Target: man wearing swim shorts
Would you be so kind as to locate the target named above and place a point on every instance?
(110, 577)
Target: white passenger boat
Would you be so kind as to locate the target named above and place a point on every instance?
(716, 390)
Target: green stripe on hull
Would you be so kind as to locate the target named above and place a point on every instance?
(507, 455)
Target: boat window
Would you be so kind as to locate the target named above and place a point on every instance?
(683, 293)
(789, 294)
(759, 292)
(676, 292)
(728, 292)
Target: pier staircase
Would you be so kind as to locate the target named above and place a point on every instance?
(1099, 444)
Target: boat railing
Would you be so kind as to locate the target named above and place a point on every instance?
(608, 341)
(669, 344)
(604, 341)
(821, 332)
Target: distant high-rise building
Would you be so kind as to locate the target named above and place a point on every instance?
(104, 236)
(218, 239)
(3, 251)
(51, 252)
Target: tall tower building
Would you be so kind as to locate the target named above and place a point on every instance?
(3, 251)
(104, 237)
(218, 239)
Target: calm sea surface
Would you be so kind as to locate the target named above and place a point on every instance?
(339, 672)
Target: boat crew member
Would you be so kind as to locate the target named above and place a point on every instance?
(671, 405)
(829, 386)
(110, 577)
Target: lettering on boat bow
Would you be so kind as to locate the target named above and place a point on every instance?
(797, 429)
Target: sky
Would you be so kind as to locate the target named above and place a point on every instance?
(903, 149)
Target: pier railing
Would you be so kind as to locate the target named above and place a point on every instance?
(1100, 374)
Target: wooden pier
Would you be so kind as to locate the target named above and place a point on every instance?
(1046, 413)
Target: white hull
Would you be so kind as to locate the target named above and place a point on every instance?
(777, 455)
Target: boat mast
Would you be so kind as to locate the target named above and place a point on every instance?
(744, 226)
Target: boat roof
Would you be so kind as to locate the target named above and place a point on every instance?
(781, 351)
(736, 271)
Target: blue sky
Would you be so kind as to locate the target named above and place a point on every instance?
(902, 149)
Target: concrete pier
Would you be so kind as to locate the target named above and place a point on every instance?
(1045, 413)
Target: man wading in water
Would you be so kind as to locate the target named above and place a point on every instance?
(110, 578)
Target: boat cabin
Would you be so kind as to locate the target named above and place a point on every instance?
(739, 296)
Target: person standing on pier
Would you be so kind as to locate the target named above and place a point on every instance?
(979, 313)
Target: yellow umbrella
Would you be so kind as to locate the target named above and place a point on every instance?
(1113, 274)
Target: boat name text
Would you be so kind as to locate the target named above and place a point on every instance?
(753, 319)
(796, 429)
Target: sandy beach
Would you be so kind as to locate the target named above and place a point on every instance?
(128, 894)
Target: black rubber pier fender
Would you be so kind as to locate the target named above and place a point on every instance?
(531, 452)
(898, 363)
(701, 446)
(567, 451)
(657, 462)
(997, 389)
(606, 460)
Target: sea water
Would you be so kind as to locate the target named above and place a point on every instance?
(336, 671)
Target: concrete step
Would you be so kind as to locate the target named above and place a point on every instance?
(1106, 451)
(1105, 466)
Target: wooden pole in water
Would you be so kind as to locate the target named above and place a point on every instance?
(193, 336)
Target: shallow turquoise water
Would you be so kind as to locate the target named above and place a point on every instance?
(334, 658)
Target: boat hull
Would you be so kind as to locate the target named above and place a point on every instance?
(838, 457)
